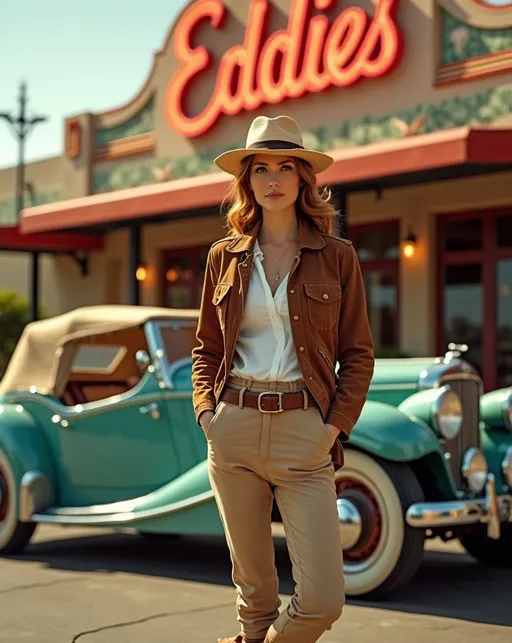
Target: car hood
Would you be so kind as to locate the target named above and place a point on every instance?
(401, 371)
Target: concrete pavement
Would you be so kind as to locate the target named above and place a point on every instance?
(97, 587)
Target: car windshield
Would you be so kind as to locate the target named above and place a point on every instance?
(178, 339)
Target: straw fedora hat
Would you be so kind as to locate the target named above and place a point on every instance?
(276, 136)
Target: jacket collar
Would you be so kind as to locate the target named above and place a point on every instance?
(309, 237)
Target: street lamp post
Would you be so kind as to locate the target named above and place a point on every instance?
(21, 127)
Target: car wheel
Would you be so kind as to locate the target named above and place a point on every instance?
(380, 551)
(495, 553)
(14, 535)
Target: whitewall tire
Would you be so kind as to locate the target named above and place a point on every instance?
(386, 552)
(14, 535)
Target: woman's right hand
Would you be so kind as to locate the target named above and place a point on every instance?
(205, 418)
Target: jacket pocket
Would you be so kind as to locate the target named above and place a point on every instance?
(220, 301)
(323, 301)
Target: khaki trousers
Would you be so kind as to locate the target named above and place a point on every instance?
(254, 457)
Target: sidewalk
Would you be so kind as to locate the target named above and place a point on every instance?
(115, 589)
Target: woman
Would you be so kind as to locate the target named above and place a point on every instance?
(283, 300)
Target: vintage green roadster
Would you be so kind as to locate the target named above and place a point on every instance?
(97, 429)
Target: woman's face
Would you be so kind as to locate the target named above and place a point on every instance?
(275, 181)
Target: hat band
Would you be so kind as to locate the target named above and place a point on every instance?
(275, 145)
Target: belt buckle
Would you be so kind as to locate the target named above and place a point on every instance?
(280, 397)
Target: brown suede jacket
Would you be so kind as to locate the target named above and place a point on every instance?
(327, 306)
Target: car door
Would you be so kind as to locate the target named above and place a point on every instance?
(177, 340)
(115, 444)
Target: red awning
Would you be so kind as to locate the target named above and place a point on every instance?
(431, 157)
(12, 239)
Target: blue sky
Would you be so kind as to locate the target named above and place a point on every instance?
(77, 56)
(84, 55)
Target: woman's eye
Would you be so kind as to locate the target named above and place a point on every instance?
(261, 168)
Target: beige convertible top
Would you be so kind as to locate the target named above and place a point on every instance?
(44, 352)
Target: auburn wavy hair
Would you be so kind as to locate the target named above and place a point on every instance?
(242, 211)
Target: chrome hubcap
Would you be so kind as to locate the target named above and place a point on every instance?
(362, 536)
(350, 522)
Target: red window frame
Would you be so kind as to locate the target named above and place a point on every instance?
(196, 283)
(390, 266)
(487, 256)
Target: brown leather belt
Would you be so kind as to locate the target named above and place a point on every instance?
(269, 401)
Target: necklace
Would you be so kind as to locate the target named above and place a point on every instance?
(278, 261)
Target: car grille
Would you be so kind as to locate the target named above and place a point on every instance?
(469, 435)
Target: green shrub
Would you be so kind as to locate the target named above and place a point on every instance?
(14, 315)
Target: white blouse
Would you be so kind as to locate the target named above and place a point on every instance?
(265, 350)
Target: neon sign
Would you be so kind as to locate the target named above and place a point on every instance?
(310, 55)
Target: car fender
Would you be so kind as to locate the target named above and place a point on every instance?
(494, 407)
(389, 433)
(27, 450)
(495, 443)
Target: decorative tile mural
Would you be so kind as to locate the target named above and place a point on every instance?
(8, 206)
(463, 42)
(142, 123)
(480, 108)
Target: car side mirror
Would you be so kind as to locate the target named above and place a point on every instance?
(143, 360)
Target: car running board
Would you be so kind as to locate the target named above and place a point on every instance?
(36, 501)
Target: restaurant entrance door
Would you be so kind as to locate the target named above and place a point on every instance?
(475, 290)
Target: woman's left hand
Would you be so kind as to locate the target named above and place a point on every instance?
(334, 431)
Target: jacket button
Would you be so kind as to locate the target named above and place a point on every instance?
(301, 348)
(296, 317)
(325, 295)
(292, 292)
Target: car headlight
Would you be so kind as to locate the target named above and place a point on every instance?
(507, 410)
(506, 466)
(496, 408)
(475, 469)
(447, 413)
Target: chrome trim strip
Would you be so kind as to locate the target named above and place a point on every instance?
(394, 387)
(444, 368)
(94, 408)
(54, 514)
(157, 351)
(463, 376)
(400, 361)
(491, 510)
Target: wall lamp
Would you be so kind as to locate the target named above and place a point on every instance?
(409, 244)
(141, 273)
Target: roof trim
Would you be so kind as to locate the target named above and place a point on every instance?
(12, 239)
(366, 167)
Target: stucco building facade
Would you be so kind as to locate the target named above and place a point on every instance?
(412, 98)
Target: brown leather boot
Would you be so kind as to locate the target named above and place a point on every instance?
(238, 639)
